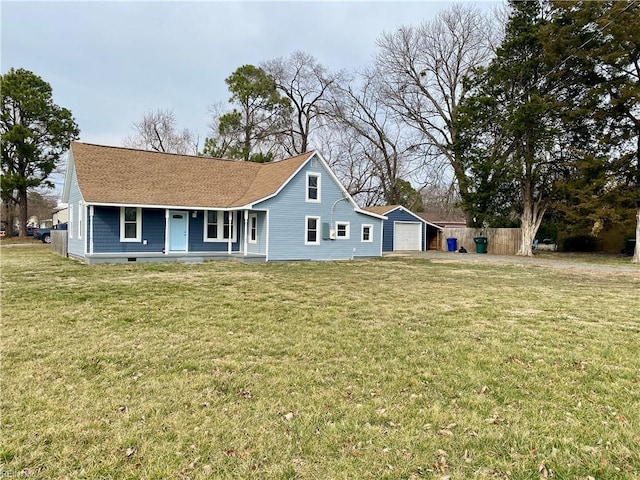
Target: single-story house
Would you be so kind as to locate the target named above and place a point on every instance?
(129, 205)
(405, 230)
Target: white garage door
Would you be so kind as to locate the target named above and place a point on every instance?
(407, 236)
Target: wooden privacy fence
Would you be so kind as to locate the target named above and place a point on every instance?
(59, 242)
(500, 241)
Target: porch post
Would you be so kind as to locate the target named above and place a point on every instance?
(166, 231)
(91, 229)
(246, 232)
(230, 240)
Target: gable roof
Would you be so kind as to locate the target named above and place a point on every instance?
(443, 220)
(115, 175)
(381, 209)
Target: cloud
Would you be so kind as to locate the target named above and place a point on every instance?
(110, 62)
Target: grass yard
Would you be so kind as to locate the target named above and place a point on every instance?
(393, 368)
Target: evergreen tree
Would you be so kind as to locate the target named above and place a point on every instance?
(510, 135)
(261, 115)
(35, 133)
(597, 48)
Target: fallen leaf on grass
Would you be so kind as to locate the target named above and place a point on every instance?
(544, 472)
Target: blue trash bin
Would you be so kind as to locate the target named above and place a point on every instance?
(452, 244)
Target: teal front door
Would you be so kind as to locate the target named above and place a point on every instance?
(178, 222)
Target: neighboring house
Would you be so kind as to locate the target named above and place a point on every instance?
(405, 230)
(443, 220)
(61, 215)
(133, 205)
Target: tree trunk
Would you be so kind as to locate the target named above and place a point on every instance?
(22, 214)
(8, 217)
(530, 221)
(636, 253)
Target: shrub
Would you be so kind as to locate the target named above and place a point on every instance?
(581, 243)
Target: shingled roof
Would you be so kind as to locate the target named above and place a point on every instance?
(381, 209)
(138, 177)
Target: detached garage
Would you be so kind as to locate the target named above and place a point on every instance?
(402, 230)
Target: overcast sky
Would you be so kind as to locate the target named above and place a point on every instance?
(110, 62)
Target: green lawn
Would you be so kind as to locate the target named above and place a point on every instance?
(393, 368)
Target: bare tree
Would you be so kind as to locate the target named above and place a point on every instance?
(157, 131)
(423, 69)
(381, 154)
(306, 83)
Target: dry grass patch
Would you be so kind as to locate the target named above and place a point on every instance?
(379, 369)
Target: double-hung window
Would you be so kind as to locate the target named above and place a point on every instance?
(130, 224)
(312, 231)
(220, 226)
(367, 233)
(313, 187)
(253, 228)
(342, 230)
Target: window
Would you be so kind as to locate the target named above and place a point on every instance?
(211, 226)
(312, 231)
(313, 187)
(367, 233)
(130, 224)
(71, 221)
(342, 230)
(80, 215)
(220, 226)
(253, 228)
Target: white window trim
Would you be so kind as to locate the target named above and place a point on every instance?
(80, 219)
(306, 187)
(370, 227)
(252, 217)
(138, 237)
(306, 230)
(220, 238)
(347, 226)
(71, 223)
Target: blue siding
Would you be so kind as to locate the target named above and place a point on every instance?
(75, 246)
(106, 231)
(400, 215)
(196, 235)
(261, 246)
(287, 213)
(281, 225)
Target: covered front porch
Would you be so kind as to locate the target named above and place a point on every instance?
(120, 234)
(187, 257)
